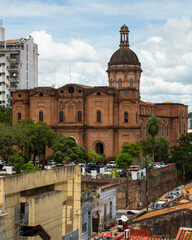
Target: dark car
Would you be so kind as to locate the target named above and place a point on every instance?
(92, 166)
(121, 172)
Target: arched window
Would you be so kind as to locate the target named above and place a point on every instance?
(120, 83)
(40, 116)
(19, 116)
(136, 117)
(167, 130)
(162, 129)
(131, 83)
(126, 117)
(98, 116)
(111, 83)
(61, 116)
(79, 116)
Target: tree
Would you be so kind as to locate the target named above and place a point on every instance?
(6, 141)
(17, 161)
(6, 115)
(153, 126)
(161, 146)
(29, 167)
(182, 154)
(161, 149)
(23, 134)
(132, 149)
(95, 157)
(124, 160)
(67, 150)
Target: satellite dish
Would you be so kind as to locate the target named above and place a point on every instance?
(124, 218)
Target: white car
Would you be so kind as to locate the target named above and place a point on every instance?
(111, 164)
(107, 172)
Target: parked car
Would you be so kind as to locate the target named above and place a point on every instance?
(121, 172)
(50, 164)
(92, 166)
(169, 197)
(160, 205)
(107, 172)
(111, 164)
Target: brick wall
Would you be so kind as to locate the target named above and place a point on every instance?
(160, 181)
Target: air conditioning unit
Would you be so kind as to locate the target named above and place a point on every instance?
(127, 233)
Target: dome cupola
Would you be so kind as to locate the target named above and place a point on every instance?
(124, 68)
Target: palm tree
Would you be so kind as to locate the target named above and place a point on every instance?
(153, 126)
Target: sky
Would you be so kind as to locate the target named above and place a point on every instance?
(76, 39)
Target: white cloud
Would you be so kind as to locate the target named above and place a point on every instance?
(166, 58)
(76, 62)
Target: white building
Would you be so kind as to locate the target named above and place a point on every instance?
(18, 66)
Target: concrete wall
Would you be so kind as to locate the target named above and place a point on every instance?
(161, 181)
(49, 194)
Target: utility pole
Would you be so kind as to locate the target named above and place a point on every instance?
(146, 185)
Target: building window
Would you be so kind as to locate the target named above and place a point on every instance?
(162, 129)
(179, 122)
(19, 116)
(84, 223)
(111, 83)
(120, 83)
(131, 83)
(79, 116)
(61, 116)
(40, 116)
(136, 117)
(98, 116)
(167, 130)
(140, 130)
(111, 210)
(126, 117)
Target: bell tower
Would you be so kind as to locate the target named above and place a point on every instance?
(124, 68)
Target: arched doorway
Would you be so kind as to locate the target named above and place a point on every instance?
(99, 148)
(72, 138)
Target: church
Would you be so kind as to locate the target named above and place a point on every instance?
(102, 119)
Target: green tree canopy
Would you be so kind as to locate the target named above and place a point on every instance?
(182, 154)
(95, 157)
(161, 146)
(132, 149)
(6, 141)
(124, 160)
(67, 150)
(6, 115)
(153, 126)
(17, 161)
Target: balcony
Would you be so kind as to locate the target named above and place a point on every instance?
(13, 59)
(12, 68)
(13, 79)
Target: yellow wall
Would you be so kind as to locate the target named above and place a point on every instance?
(62, 198)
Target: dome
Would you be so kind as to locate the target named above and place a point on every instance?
(124, 28)
(123, 56)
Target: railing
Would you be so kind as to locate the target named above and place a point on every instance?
(13, 59)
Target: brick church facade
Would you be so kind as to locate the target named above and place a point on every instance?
(102, 119)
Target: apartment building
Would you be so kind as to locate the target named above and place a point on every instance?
(18, 66)
(44, 202)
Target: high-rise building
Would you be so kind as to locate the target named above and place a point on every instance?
(18, 66)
